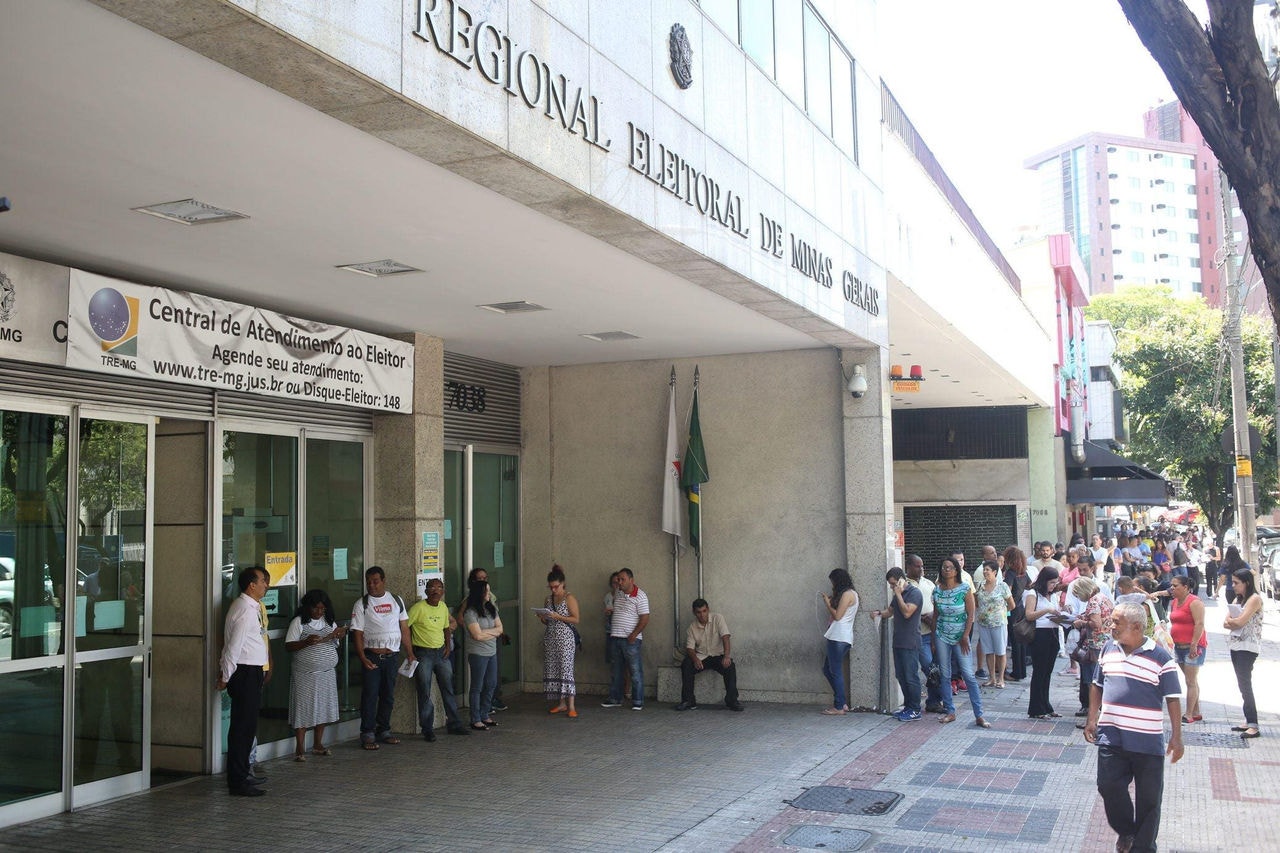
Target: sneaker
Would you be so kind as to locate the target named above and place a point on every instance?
(429, 737)
(687, 706)
(905, 716)
(637, 707)
(497, 706)
(459, 731)
(609, 703)
(982, 673)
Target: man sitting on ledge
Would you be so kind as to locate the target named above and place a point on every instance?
(707, 647)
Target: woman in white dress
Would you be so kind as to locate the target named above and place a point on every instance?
(313, 637)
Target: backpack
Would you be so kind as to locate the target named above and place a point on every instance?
(364, 600)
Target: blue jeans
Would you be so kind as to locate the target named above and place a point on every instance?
(934, 696)
(947, 656)
(484, 680)
(1180, 571)
(626, 656)
(433, 662)
(833, 669)
(906, 666)
(378, 695)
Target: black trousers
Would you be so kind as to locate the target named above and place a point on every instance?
(1242, 662)
(245, 689)
(716, 664)
(1139, 817)
(1044, 651)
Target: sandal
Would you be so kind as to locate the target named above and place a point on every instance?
(981, 723)
(491, 723)
(557, 710)
(833, 712)
(321, 750)
(1250, 734)
(947, 718)
(479, 727)
(369, 745)
(1239, 728)
(392, 740)
(988, 684)
(299, 756)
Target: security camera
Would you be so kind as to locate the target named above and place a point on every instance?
(858, 382)
(4, 204)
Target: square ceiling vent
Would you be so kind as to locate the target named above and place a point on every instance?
(521, 307)
(611, 337)
(188, 211)
(379, 269)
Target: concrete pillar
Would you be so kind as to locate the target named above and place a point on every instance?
(1044, 455)
(868, 481)
(408, 491)
(179, 683)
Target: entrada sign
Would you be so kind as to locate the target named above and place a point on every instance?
(481, 45)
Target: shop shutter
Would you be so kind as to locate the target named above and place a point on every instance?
(481, 401)
(170, 400)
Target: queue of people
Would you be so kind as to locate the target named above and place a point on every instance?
(1014, 615)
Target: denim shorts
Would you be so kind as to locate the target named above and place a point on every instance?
(1182, 654)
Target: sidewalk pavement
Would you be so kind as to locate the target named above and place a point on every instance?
(711, 780)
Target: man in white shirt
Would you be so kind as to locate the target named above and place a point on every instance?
(1044, 554)
(380, 626)
(707, 646)
(240, 673)
(626, 633)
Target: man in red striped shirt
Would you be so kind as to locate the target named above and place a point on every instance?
(1136, 681)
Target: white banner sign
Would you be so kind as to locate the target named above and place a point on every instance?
(33, 310)
(131, 329)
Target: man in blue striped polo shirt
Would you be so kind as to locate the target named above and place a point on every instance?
(1136, 681)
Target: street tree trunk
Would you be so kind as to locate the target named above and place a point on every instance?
(1219, 76)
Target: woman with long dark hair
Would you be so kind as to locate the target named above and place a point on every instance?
(484, 627)
(954, 606)
(560, 643)
(1244, 621)
(1015, 577)
(1231, 563)
(842, 606)
(313, 637)
(1040, 607)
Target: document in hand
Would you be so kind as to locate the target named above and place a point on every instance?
(408, 667)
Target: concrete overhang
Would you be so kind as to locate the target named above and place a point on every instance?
(139, 102)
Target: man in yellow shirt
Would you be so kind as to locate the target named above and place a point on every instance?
(431, 633)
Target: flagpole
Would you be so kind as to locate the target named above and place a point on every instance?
(701, 541)
(675, 556)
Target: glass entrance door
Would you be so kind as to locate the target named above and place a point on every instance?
(110, 711)
(74, 633)
(482, 529)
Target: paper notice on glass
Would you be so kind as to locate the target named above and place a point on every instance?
(339, 564)
(408, 668)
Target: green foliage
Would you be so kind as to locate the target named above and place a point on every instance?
(1177, 390)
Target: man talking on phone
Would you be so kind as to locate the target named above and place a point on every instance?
(904, 607)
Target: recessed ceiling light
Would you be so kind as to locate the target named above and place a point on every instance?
(188, 211)
(609, 337)
(378, 269)
(511, 307)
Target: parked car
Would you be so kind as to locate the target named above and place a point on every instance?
(8, 573)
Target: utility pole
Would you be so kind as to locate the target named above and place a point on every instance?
(1245, 521)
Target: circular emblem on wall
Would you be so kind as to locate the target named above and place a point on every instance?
(681, 57)
(7, 297)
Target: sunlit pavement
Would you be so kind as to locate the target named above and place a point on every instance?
(708, 780)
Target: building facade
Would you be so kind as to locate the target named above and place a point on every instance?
(527, 213)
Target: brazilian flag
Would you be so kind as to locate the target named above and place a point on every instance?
(693, 473)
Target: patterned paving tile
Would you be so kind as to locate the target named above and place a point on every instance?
(1006, 748)
(969, 777)
(996, 823)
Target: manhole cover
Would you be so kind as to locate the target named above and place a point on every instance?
(826, 838)
(831, 798)
(1220, 740)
